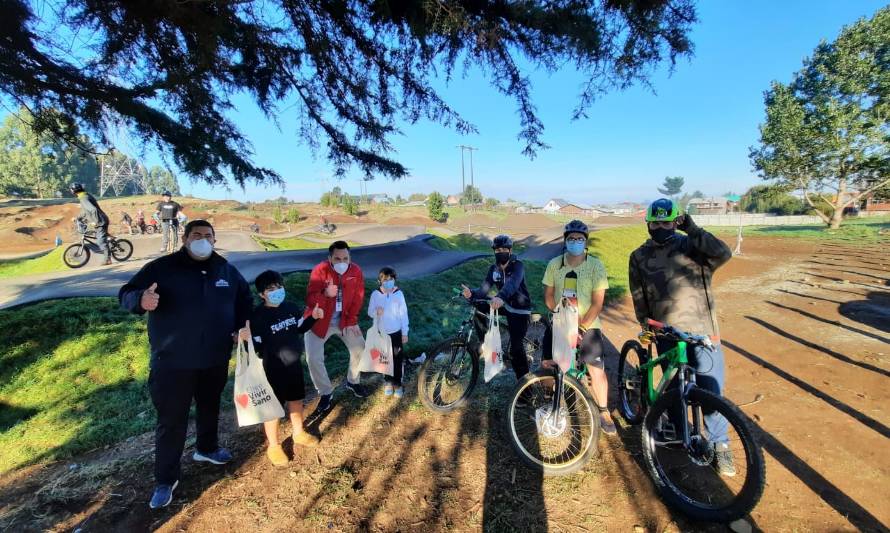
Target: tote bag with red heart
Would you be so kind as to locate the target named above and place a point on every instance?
(491, 347)
(377, 355)
(254, 400)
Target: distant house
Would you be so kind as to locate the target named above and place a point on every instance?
(454, 199)
(554, 205)
(876, 204)
(380, 198)
(708, 206)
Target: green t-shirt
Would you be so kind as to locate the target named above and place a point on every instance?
(591, 276)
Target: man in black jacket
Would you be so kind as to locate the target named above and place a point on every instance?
(94, 218)
(167, 211)
(196, 301)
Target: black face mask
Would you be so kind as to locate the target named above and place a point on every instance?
(502, 258)
(662, 235)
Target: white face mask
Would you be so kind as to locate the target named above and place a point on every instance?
(340, 268)
(201, 248)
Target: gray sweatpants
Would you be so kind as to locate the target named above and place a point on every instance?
(315, 357)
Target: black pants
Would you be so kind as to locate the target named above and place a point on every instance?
(172, 391)
(517, 325)
(398, 360)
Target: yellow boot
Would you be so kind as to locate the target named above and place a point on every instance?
(276, 455)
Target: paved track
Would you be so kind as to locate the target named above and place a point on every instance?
(411, 258)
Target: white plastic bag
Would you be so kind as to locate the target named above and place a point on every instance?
(254, 400)
(491, 348)
(377, 355)
(565, 334)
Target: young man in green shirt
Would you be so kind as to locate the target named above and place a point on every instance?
(579, 279)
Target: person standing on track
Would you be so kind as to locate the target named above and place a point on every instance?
(167, 211)
(94, 217)
(670, 281)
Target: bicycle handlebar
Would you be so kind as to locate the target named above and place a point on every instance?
(682, 335)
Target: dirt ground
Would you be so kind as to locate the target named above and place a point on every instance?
(806, 331)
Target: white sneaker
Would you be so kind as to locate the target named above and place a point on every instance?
(419, 360)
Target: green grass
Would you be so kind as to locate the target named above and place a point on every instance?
(293, 243)
(84, 386)
(853, 230)
(51, 262)
(613, 247)
(464, 242)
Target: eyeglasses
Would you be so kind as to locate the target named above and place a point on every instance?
(576, 239)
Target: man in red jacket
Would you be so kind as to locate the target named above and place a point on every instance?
(337, 286)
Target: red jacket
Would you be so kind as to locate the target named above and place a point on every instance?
(352, 286)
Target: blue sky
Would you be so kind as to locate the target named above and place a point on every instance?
(698, 124)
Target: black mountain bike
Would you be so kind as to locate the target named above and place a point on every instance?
(679, 452)
(78, 254)
(448, 376)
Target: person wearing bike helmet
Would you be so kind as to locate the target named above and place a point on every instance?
(168, 210)
(670, 281)
(94, 218)
(505, 285)
(577, 278)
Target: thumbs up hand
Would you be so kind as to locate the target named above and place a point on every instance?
(244, 333)
(317, 313)
(150, 298)
(331, 290)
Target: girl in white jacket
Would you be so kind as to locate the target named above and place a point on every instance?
(388, 306)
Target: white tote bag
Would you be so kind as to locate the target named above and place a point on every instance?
(254, 400)
(377, 355)
(491, 348)
(565, 334)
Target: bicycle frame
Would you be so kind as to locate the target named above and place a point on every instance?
(677, 365)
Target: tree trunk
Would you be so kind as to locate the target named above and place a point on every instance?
(839, 202)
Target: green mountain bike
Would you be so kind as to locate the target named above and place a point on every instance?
(678, 451)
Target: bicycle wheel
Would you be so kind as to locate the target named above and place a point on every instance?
(686, 478)
(631, 382)
(448, 376)
(556, 443)
(76, 255)
(121, 249)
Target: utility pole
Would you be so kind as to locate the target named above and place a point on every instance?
(463, 179)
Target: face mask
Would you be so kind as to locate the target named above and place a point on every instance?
(661, 235)
(575, 248)
(201, 248)
(389, 284)
(275, 297)
(502, 257)
(340, 268)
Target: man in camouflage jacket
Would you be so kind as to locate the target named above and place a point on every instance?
(670, 281)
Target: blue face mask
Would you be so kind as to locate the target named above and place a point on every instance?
(389, 284)
(275, 297)
(575, 248)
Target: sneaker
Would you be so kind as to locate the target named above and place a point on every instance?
(324, 404)
(220, 457)
(106, 263)
(723, 460)
(608, 426)
(387, 390)
(162, 496)
(276, 455)
(419, 359)
(399, 392)
(357, 389)
(304, 438)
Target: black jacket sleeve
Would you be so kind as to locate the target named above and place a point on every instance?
(637, 292)
(513, 281)
(307, 324)
(482, 291)
(705, 248)
(130, 295)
